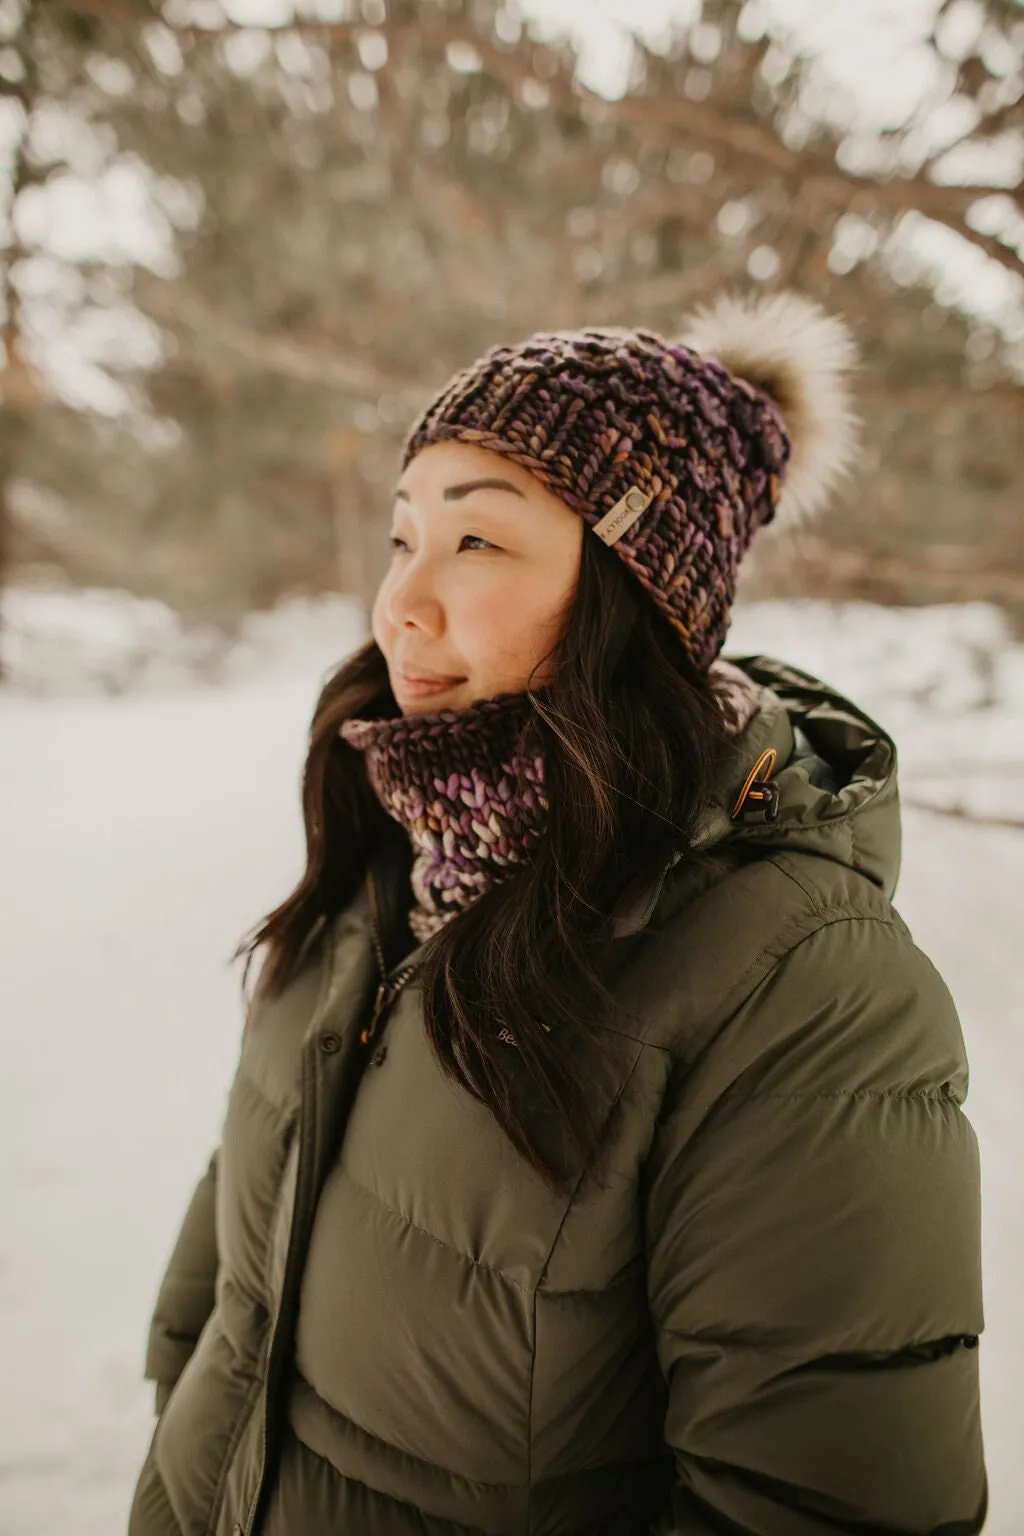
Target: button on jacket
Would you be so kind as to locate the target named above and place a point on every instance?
(758, 1314)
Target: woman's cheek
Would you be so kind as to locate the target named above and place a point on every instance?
(379, 628)
(491, 620)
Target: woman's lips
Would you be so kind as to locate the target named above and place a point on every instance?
(422, 687)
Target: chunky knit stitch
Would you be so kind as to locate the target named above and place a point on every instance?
(468, 790)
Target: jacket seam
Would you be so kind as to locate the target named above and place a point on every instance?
(449, 1247)
(184, 1282)
(827, 909)
(554, 1244)
(629, 1275)
(285, 1116)
(729, 1341)
(613, 1106)
(397, 1449)
(394, 1450)
(829, 917)
(936, 1094)
(739, 994)
(624, 1034)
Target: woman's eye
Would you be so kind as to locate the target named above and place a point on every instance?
(397, 543)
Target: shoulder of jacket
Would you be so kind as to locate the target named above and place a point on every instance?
(847, 1007)
(832, 889)
(697, 968)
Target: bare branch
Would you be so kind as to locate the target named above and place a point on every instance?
(993, 247)
(972, 769)
(686, 288)
(16, 90)
(934, 394)
(822, 559)
(961, 813)
(1003, 120)
(132, 11)
(278, 354)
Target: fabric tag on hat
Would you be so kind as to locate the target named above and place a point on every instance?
(623, 515)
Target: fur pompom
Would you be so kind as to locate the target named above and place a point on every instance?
(791, 350)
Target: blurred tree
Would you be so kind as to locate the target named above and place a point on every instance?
(354, 208)
(20, 388)
(73, 476)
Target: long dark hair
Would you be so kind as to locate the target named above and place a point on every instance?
(631, 734)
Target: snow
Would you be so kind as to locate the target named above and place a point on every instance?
(148, 816)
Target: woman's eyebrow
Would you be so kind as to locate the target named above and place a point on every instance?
(456, 492)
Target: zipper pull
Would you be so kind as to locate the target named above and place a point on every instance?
(385, 995)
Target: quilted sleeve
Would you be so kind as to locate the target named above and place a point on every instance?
(812, 1222)
(186, 1294)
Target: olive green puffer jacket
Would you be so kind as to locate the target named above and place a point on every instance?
(760, 1317)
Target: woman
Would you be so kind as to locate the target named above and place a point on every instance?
(595, 1161)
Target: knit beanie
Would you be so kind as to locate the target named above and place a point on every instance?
(673, 451)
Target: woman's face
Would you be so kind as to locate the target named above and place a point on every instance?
(484, 569)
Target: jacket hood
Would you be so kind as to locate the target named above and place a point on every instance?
(836, 772)
(834, 769)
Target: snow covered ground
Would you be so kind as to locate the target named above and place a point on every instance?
(147, 818)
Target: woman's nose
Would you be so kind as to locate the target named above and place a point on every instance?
(412, 599)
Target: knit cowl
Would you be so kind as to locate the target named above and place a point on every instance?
(469, 791)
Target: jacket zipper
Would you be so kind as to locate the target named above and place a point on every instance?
(390, 986)
(387, 991)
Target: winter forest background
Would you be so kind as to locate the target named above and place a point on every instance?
(243, 241)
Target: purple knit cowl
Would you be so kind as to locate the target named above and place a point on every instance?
(450, 779)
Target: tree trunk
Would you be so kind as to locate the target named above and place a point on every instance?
(18, 385)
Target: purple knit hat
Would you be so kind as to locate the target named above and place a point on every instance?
(674, 452)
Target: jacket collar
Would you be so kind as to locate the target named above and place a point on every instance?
(767, 724)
